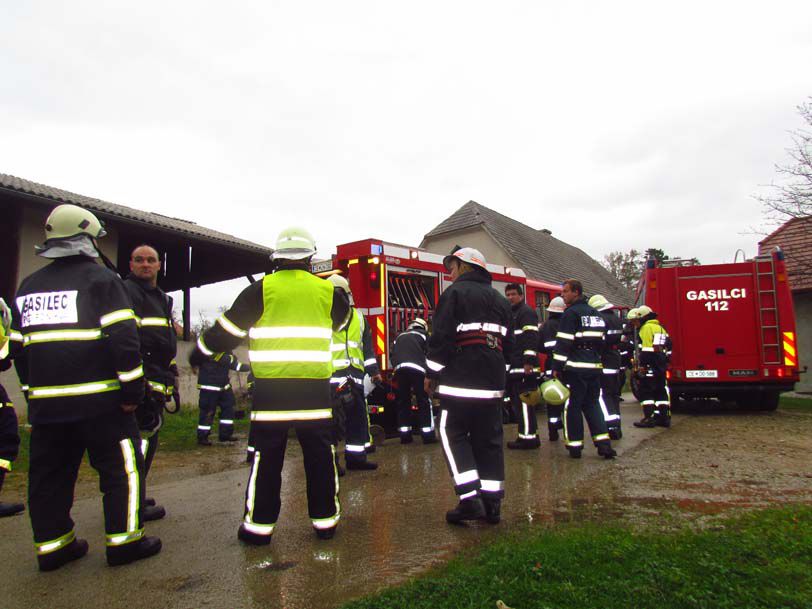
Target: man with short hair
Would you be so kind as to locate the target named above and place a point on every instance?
(577, 361)
(523, 372)
(156, 331)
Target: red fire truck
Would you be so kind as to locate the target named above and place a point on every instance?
(732, 328)
(393, 284)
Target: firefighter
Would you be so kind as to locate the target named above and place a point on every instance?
(523, 373)
(610, 358)
(577, 362)
(215, 392)
(80, 368)
(353, 357)
(547, 344)
(468, 352)
(409, 365)
(9, 432)
(156, 331)
(654, 346)
(289, 318)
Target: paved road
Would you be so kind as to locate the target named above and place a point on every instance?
(392, 528)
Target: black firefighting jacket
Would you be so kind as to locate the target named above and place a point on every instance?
(213, 374)
(580, 338)
(525, 338)
(159, 343)
(471, 340)
(547, 339)
(610, 357)
(76, 342)
(409, 351)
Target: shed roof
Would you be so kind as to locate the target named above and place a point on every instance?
(175, 225)
(538, 253)
(795, 238)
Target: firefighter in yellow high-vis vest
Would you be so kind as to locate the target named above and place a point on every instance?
(289, 318)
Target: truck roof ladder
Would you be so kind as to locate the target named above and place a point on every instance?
(767, 309)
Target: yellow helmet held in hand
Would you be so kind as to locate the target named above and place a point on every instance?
(531, 397)
(554, 392)
(71, 220)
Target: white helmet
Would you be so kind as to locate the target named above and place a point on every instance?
(418, 323)
(639, 312)
(466, 254)
(557, 305)
(340, 282)
(294, 243)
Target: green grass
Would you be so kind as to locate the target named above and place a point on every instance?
(178, 433)
(795, 404)
(760, 559)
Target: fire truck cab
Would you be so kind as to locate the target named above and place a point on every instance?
(394, 284)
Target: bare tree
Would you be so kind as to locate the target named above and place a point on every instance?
(625, 267)
(791, 194)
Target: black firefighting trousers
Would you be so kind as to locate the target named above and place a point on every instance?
(585, 389)
(9, 432)
(209, 402)
(654, 395)
(609, 400)
(471, 434)
(262, 495)
(410, 381)
(112, 443)
(525, 415)
(357, 424)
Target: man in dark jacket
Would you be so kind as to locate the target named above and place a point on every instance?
(610, 358)
(577, 361)
(80, 367)
(214, 385)
(409, 365)
(547, 345)
(523, 372)
(467, 354)
(156, 331)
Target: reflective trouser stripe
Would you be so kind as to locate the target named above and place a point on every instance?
(465, 392)
(469, 494)
(492, 486)
(144, 446)
(331, 521)
(602, 404)
(600, 437)
(226, 422)
(354, 448)
(46, 547)
(404, 429)
(525, 431)
(210, 388)
(133, 531)
(204, 427)
(250, 497)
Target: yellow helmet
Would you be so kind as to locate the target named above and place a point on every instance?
(639, 312)
(531, 397)
(340, 282)
(71, 220)
(599, 302)
(5, 325)
(554, 392)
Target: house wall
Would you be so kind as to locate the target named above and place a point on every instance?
(475, 237)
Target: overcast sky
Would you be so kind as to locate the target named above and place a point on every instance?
(615, 125)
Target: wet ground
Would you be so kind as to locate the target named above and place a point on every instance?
(392, 525)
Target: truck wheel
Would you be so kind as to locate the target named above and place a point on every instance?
(769, 401)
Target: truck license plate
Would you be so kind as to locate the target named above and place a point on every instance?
(701, 374)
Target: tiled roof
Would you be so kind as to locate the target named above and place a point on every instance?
(795, 238)
(538, 253)
(175, 225)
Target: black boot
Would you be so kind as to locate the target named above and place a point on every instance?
(53, 560)
(8, 509)
(341, 471)
(137, 550)
(574, 451)
(646, 423)
(326, 533)
(467, 509)
(149, 501)
(493, 508)
(370, 450)
(203, 441)
(152, 512)
(429, 438)
(524, 443)
(246, 536)
(362, 464)
(662, 420)
(228, 439)
(605, 450)
(552, 432)
(615, 433)
(406, 438)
